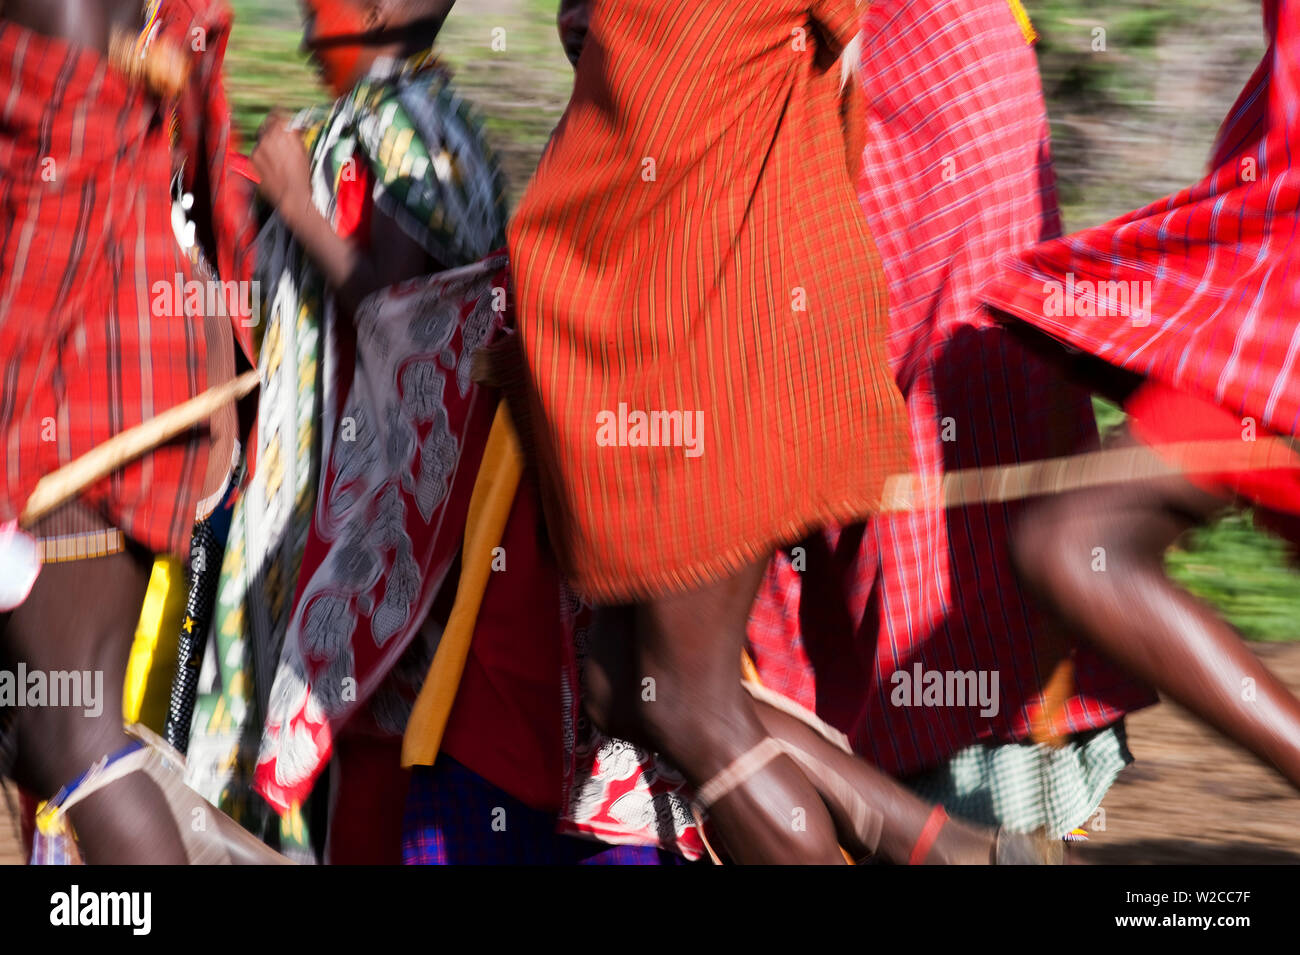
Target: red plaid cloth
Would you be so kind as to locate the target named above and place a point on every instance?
(1214, 268)
(957, 173)
(1161, 416)
(85, 233)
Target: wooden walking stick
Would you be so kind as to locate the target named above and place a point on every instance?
(67, 482)
(20, 555)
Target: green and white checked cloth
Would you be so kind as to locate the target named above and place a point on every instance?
(1027, 786)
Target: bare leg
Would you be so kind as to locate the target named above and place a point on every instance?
(81, 616)
(675, 687)
(700, 716)
(1136, 615)
(902, 814)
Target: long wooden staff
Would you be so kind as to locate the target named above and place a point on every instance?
(74, 477)
(903, 492)
(1075, 472)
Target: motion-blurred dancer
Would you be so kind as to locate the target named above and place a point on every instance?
(369, 430)
(97, 334)
(1186, 312)
(957, 173)
(690, 253)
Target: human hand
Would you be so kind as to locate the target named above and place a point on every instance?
(281, 164)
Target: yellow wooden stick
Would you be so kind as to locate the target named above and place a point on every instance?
(489, 508)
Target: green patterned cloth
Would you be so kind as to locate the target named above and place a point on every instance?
(434, 175)
(1028, 786)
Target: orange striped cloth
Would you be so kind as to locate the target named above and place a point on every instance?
(700, 304)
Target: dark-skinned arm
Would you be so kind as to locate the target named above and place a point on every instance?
(351, 270)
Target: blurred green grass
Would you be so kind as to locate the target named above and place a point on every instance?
(1129, 125)
(264, 69)
(1135, 120)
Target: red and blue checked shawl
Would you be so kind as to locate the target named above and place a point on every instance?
(956, 175)
(1218, 260)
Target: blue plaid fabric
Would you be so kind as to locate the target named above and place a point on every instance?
(456, 817)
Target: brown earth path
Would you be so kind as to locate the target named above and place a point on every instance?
(1192, 798)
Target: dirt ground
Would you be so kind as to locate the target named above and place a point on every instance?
(1189, 799)
(1192, 799)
